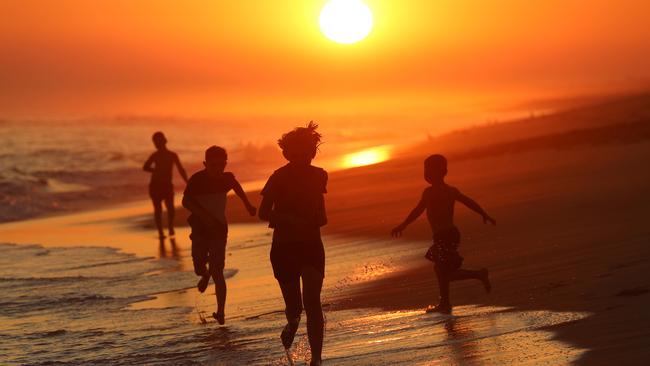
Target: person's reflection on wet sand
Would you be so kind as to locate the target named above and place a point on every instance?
(219, 341)
(162, 251)
(174, 249)
(173, 252)
(464, 350)
(218, 338)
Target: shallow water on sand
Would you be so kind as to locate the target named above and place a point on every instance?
(98, 305)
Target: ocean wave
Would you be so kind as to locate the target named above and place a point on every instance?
(70, 299)
(65, 332)
(14, 246)
(25, 195)
(53, 333)
(25, 304)
(112, 263)
(14, 282)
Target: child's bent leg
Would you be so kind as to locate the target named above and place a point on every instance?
(292, 299)
(293, 308)
(169, 205)
(312, 283)
(220, 290)
(443, 286)
(217, 262)
(157, 216)
(465, 274)
(202, 285)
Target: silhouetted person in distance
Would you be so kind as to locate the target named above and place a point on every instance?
(160, 164)
(294, 205)
(205, 197)
(438, 200)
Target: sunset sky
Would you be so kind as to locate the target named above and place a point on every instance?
(263, 57)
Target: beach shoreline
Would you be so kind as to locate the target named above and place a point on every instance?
(567, 240)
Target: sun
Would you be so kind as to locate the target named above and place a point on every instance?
(346, 21)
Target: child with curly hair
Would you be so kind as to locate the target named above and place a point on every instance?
(293, 204)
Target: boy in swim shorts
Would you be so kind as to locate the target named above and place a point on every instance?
(205, 197)
(438, 200)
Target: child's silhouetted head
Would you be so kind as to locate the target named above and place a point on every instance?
(301, 144)
(159, 140)
(435, 168)
(215, 159)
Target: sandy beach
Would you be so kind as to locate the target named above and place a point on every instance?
(569, 192)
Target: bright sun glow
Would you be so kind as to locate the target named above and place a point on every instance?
(366, 157)
(346, 21)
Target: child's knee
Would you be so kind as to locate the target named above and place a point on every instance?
(200, 266)
(217, 275)
(313, 308)
(314, 315)
(293, 311)
(200, 269)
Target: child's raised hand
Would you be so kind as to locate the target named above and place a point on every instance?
(397, 231)
(488, 220)
(252, 210)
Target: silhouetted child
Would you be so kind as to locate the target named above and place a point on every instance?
(438, 200)
(294, 205)
(161, 164)
(205, 197)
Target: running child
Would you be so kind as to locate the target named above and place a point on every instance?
(160, 164)
(294, 205)
(438, 200)
(205, 198)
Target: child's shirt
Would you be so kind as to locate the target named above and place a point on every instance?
(210, 193)
(298, 202)
(440, 201)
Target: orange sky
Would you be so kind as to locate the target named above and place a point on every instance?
(268, 57)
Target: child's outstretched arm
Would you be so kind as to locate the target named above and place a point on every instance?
(181, 171)
(472, 205)
(415, 213)
(239, 191)
(147, 167)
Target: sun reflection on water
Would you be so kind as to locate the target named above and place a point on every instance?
(369, 156)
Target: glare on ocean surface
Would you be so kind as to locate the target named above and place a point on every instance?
(366, 157)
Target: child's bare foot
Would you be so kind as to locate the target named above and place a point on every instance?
(289, 333)
(485, 278)
(203, 283)
(220, 317)
(440, 308)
